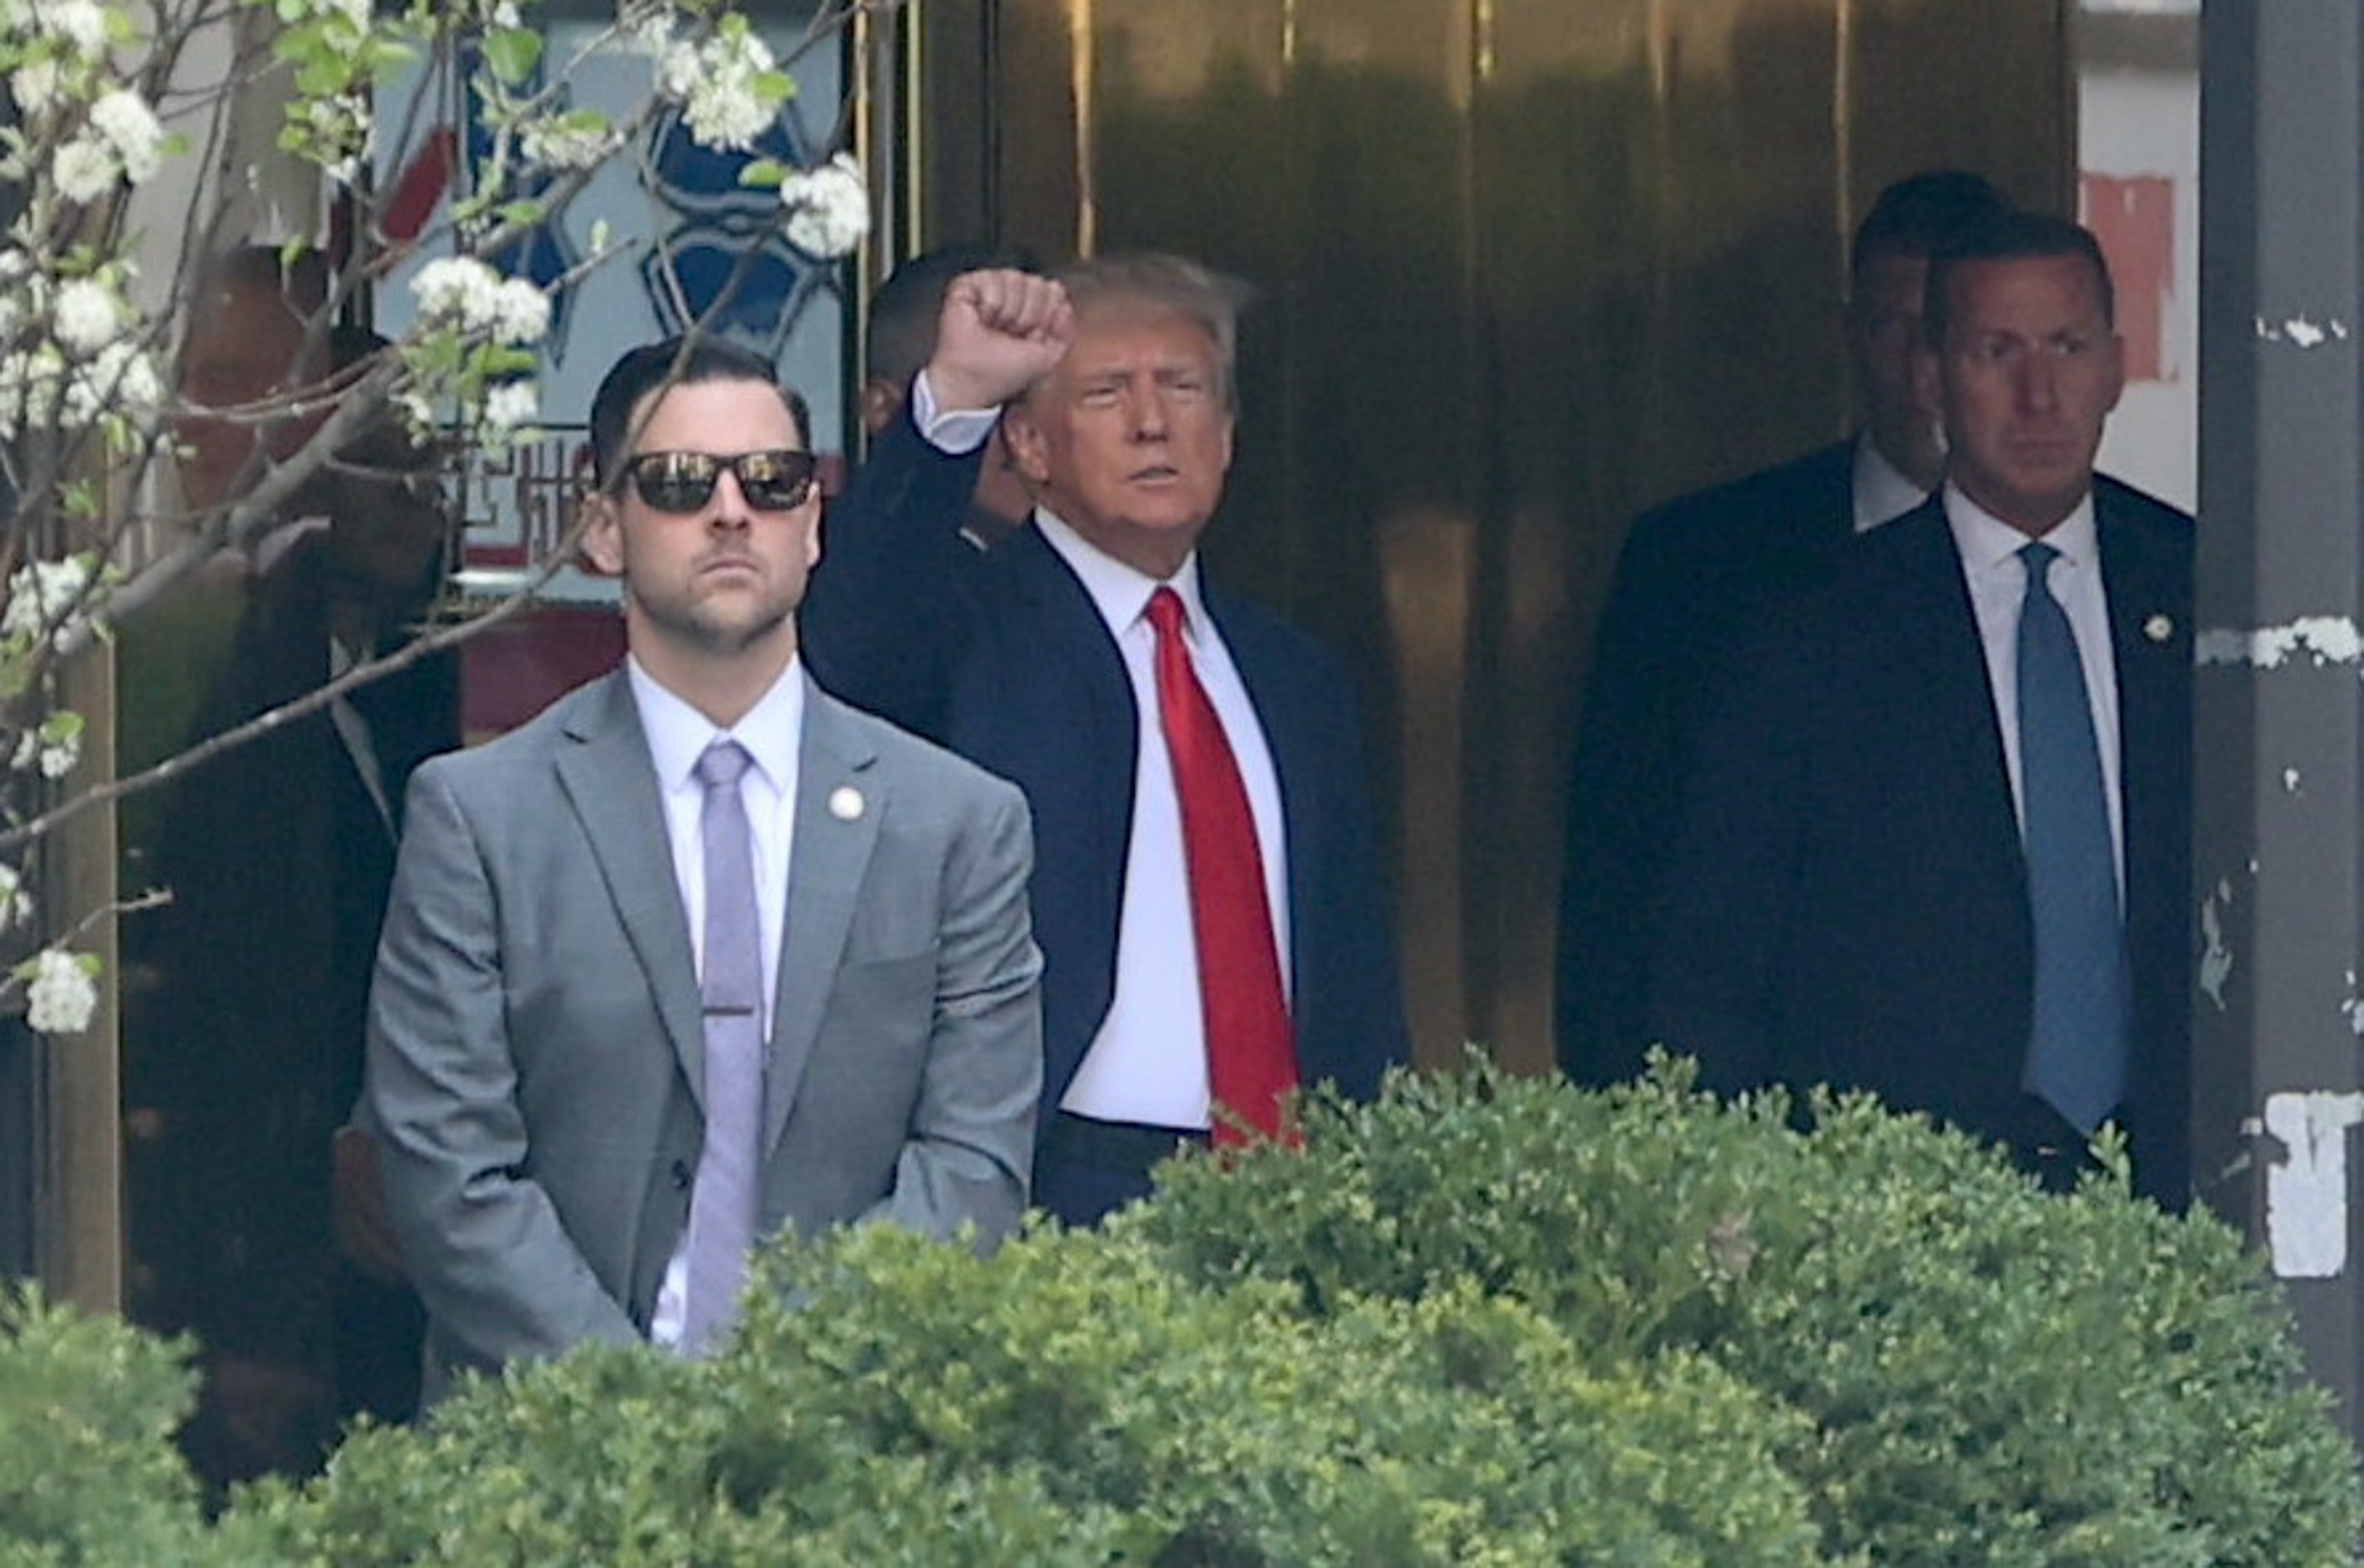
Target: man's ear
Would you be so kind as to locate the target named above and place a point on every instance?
(881, 401)
(603, 535)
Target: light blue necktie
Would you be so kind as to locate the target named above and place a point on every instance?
(2077, 1052)
(730, 978)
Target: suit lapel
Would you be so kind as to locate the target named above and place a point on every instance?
(1071, 627)
(1275, 690)
(839, 800)
(2150, 645)
(609, 783)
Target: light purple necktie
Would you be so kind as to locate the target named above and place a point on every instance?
(730, 981)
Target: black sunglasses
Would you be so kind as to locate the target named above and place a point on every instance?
(683, 481)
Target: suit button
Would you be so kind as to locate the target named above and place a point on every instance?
(681, 1176)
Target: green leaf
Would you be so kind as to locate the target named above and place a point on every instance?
(512, 53)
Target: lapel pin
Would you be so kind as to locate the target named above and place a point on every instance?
(846, 803)
(2160, 628)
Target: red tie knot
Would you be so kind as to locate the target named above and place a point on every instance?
(1165, 612)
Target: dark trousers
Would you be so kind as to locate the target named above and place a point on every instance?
(1085, 1170)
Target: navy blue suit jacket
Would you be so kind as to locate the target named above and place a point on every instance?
(1690, 572)
(1847, 901)
(1002, 656)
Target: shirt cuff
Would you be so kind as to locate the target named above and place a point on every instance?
(953, 432)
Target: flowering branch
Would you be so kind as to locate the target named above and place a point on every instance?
(101, 276)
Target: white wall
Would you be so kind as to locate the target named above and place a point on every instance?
(2144, 123)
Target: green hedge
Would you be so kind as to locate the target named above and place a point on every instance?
(1071, 1401)
(88, 1473)
(1991, 1375)
(1488, 1321)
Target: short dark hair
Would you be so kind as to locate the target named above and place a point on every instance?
(901, 329)
(676, 362)
(2006, 237)
(1922, 214)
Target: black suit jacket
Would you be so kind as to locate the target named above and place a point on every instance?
(1847, 901)
(1002, 656)
(245, 1053)
(1690, 572)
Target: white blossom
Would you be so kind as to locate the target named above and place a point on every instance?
(829, 208)
(57, 757)
(81, 23)
(554, 143)
(463, 292)
(415, 410)
(455, 289)
(42, 593)
(715, 83)
(86, 316)
(521, 312)
(130, 126)
(59, 995)
(341, 128)
(35, 85)
(30, 380)
(15, 899)
(39, 387)
(83, 170)
(510, 405)
(122, 379)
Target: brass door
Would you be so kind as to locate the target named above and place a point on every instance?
(1525, 266)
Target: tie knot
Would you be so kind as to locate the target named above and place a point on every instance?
(2037, 557)
(1165, 612)
(720, 764)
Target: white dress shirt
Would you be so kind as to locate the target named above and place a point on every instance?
(1988, 549)
(1881, 490)
(678, 734)
(1148, 1063)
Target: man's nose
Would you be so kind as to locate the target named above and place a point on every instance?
(2039, 383)
(728, 506)
(1146, 413)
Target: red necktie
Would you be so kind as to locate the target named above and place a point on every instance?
(1251, 1063)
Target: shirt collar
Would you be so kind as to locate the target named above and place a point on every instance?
(678, 733)
(1988, 544)
(1880, 489)
(1120, 592)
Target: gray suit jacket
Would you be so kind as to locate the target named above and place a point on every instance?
(535, 1052)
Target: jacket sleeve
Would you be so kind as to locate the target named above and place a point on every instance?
(878, 626)
(970, 1148)
(482, 1239)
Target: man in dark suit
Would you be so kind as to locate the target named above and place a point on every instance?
(899, 336)
(1692, 569)
(700, 954)
(277, 854)
(1869, 888)
(1045, 660)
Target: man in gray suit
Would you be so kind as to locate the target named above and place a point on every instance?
(568, 1130)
